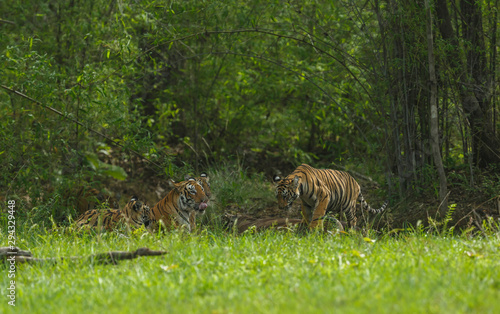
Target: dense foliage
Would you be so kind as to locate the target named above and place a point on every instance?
(101, 98)
(271, 84)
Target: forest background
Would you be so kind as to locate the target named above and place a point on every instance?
(122, 95)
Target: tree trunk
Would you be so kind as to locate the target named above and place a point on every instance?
(434, 131)
(473, 80)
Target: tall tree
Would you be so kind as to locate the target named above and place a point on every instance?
(473, 79)
(434, 131)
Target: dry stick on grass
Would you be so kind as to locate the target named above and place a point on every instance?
(102, 258)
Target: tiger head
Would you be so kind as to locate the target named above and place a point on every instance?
(287, 191)
(135, 211)
(204, 181)
(192, 195)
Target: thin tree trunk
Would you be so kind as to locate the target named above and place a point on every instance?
(477, 104)
(472, 79)
(434, 132)
(493, 62)
(384, 71)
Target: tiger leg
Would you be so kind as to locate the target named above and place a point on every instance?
(192, 221)
(319, 211)
(351, 215)
(306, 216)
(306, 213)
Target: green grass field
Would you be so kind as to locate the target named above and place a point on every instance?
(270, 272)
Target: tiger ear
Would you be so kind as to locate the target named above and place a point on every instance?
(205, 175)
(296, 182)
(276, 179)
(171, 184)
(177, 186)
(134, 198)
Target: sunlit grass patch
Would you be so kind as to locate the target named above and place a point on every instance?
(268, 272)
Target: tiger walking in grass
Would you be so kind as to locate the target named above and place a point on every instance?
(322, 191)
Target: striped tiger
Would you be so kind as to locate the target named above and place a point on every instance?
(132, 214)
(322, 191)
(204, 181)
(179, 208)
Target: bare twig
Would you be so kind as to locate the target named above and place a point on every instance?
(7, 22)
(476, 207)
(20, 256)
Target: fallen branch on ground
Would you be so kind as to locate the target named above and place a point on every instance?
(21, 256)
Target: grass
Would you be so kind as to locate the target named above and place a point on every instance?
(270, 272)
(232, 184)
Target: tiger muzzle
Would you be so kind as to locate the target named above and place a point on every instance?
(202, 206)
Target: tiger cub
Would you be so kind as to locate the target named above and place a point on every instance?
(179, 208)
(322, 191)
(132, 215)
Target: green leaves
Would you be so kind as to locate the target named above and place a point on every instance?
(94, 162)
(116, 172)
(113, 171)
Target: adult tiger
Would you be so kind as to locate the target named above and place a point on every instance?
(321, 191)
(204, 181)
(179, 208)
(132, 214)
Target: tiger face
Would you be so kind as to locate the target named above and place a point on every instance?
(135, 211)
(204, 181)
(192, 196)
(179, 208)
(287, 191)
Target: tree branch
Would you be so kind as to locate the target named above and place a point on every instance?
(113, 257)
(7, 22)
(77, 122)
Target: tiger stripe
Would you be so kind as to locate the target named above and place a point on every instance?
(204, 181)
(132, 215)
(179, 208)
(322, 191)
